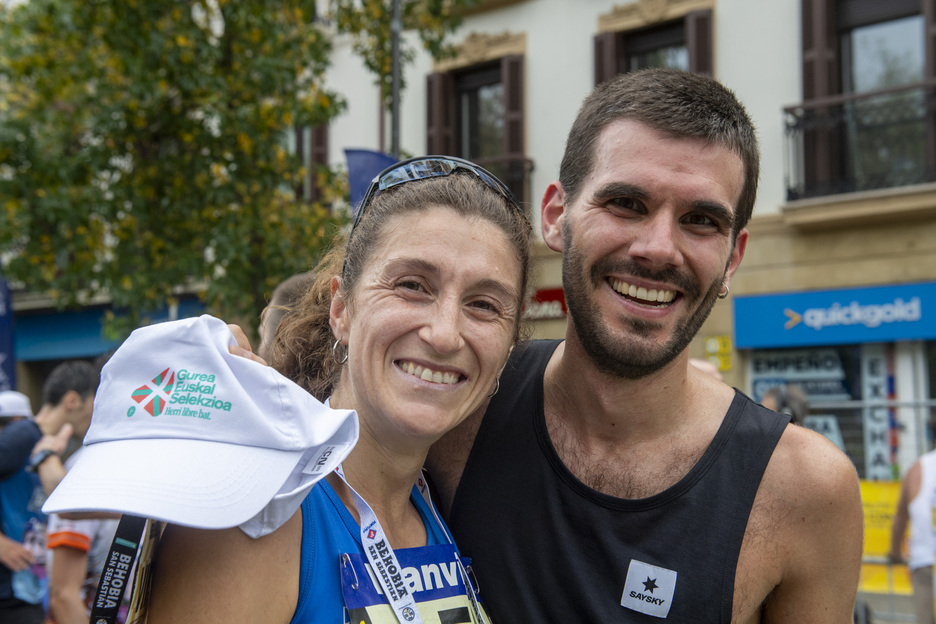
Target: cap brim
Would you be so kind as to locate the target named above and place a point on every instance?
(210, 485)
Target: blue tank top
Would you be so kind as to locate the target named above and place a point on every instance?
(329, 531)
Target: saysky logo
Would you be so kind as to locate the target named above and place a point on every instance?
(649, 589)
(153, 396)
(870, 315)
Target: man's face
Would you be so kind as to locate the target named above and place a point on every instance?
(647, 245)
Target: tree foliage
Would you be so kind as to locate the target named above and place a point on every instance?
(369, 22)
(143, 149)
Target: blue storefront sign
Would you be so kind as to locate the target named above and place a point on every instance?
(848, 316)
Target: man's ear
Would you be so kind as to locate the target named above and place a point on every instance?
(338, 311)
(737, 254)
(71, 400)
(552, 212)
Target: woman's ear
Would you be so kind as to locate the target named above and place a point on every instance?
(338, 311)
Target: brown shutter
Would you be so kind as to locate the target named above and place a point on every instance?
(512, 76)
(318, 158)
(607, 50)
(698, 25)
(440, 113)
(821, 146)
(820, 54)
(514, 140)
(928, 9)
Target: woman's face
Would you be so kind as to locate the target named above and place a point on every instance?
(431, 324)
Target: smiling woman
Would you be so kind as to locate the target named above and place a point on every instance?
(409, 324)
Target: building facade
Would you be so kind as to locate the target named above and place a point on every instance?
(844, 229)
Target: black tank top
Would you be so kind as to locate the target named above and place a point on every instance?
(547, 548)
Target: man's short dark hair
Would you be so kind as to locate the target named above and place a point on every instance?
(78, 375)
(679, 103)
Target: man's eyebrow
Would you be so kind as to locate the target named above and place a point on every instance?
(717, 211)
(618, 189)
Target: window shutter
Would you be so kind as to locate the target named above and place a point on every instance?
(607, 48)
(929, 20)
(512, 77)
(698, 25)
(821, 146)
(820, 57)
(440, 114)
(318, 158)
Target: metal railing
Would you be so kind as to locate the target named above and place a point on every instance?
(858, 142)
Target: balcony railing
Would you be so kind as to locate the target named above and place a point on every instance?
(859, 142)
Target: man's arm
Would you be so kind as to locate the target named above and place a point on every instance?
(52, 470)
(69, 569)
(448, 456)
(819, 531)
(908, 491)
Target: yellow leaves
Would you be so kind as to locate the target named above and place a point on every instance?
(184, 42)
(220, 174)
(245, 143)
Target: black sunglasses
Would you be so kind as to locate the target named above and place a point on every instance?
(424, 167)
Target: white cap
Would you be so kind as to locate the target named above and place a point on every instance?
(184, 431)
(13, 403)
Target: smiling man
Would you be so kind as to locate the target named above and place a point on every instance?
(609, 480)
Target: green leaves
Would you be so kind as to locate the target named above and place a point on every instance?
(143, 150)
(144, 144)
(369, 22)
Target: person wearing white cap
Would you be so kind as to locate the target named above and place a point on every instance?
(410, 327)
(14, 406)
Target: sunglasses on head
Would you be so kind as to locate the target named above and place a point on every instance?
(424, 167)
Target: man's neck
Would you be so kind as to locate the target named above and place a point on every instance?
(605, 405)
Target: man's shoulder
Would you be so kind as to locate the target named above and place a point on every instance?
(808, 470)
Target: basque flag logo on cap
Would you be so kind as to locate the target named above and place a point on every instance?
(154, 395)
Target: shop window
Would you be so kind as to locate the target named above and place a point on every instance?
(866, 121)
(860, 399)
(684, 44)
(477, 113)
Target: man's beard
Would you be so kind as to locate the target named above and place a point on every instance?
(625, 358)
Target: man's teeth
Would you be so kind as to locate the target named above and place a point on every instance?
(427, 374)
(652, 295)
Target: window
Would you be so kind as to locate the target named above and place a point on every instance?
(480, 113)
(685, 44)
(663, 46)
(476, 112)
(865, 122)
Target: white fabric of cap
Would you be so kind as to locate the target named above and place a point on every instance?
(185, 432)
(13, 403)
